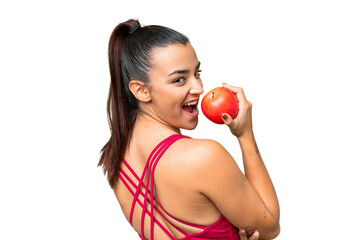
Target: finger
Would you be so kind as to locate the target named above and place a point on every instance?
(232, 88)
(241, 95)
(238, 91)
(227, 119)
(242, 234)
(255, 236)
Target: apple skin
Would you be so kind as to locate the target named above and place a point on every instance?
(218, 101)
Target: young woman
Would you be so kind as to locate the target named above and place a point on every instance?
(171, 186)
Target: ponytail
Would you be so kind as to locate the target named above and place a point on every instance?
(120, 114)
(129, 53)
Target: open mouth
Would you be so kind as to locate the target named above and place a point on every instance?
(191, 107)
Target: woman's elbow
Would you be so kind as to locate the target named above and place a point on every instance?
(272, 228)
(270, 233)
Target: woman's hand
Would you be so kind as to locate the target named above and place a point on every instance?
(242, 123)
(243, 235)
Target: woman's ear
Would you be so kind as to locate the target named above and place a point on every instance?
(140, 90)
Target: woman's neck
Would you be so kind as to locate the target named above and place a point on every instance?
(147, 132)
(147, 123)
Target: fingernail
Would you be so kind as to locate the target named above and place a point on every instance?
(224, 116)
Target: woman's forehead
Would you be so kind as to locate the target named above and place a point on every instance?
(173, 57)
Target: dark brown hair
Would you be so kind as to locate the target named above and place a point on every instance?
(130, 47)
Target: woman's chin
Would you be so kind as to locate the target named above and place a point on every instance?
(192, 125)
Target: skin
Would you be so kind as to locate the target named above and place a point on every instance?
(197, 180)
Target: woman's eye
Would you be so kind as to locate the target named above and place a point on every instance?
(179, 80)
(197, 73)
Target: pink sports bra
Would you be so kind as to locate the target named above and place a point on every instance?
(221, 229)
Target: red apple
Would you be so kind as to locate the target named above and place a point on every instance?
(218, 101)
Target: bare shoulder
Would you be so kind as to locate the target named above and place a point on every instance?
(199, 147)
(195, 164)
(200, 155)
(194, 144)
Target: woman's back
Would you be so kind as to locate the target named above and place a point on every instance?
(175, 191)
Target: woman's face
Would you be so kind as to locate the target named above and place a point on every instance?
(175, 85)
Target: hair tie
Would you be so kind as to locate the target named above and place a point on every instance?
(132, 30)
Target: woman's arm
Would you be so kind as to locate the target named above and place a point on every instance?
(254, 167)
(248, 201)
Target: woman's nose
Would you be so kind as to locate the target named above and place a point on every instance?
(197, 87)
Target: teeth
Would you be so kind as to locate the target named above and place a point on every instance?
(190, 103)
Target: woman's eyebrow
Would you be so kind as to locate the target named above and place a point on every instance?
(178, 72)
(198, 66)
(183, 71)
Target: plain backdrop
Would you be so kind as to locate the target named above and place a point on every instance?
(298, 62)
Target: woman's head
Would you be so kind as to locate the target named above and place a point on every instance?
(175, 86)
(134, 53)
(137, 46)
